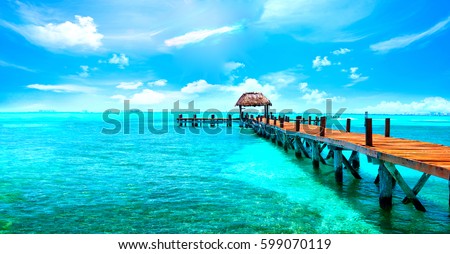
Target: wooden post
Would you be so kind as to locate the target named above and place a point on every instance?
(354, 160)
(194, 122)
(271, 115)
(316, 155)
(212, 121)
(387, 127)
(297, 149)
(348, 126)
(309, 120)
(180, 116)
(369, 138)
(281, 122)
(275, 122)
(385, 186)
(338, 172)
(241, 116)
(316, 122)
(323, 123)
(297, 123)
(229, 120)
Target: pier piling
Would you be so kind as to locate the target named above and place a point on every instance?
(369, 138)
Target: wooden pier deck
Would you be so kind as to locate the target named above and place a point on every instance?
(310, 140)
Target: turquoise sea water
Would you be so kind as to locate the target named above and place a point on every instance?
(60, 174)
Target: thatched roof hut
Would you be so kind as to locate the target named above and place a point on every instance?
(253, 99)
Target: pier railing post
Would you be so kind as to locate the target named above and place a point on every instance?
(275, 121)
(369, 138)
(348, 125)
(309, 120)
(229, 120)
(180, 116)
(281, 122)
(387, 127)
(323, 124)
(298, 119)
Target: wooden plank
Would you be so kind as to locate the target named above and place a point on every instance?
(404, 186)
(419, 185)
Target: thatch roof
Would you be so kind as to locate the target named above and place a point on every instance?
(253, 99)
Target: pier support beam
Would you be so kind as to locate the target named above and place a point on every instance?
(338, 172)
(354, 160)
(386, 183)
(419, 185)
(401, 182)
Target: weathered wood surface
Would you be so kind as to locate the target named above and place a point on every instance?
(433, 159)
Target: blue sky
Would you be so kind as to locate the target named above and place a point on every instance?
(380, 56)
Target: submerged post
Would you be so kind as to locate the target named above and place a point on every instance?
(387, 127)
(316, 155)
(323, 123)
(386, 183)
(369, 138)
(338, 172)
(348, 125)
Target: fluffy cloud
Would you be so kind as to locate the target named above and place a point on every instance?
(284, 78)
(160, 82)
(231, 66)
(404, 41)
(145, 97)
(199, 86)
(341, 51)
(248, 85)
(81, 35)
(425, 106)
(85, 71)
(315, 96)
(130, 85)
(63, 88)
(198, 36)
(355, 77)
(319, 63)
(121, 60)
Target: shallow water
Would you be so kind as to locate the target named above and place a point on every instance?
(60, 174)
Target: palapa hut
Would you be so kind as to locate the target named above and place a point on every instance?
(253, 99)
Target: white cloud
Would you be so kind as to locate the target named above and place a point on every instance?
(252, 85)
(6, 64)
(425, 106)
(81, 35)
(63, 88)
(129, 85)
(316, 20)
(231, 66)
(248, 85)
(145, 97)
(319, 63)
(121, 60)
(341, 51)
(284, 78)
(160, 82)
(198, 36)
(404, 41)
(85, 71)
(315, 96)
(199, 86)
(355, 77)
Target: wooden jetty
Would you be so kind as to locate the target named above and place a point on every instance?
(309, 138)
